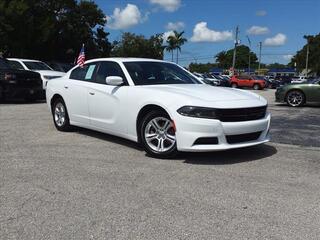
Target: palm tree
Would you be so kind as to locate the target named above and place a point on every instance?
(175, 42)
(171, 47)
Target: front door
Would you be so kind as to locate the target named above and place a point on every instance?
(107, 104)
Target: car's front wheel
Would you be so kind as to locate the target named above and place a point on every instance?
(158, 136)
(295, 98)
(60, 115)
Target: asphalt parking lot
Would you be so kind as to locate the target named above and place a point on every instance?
(88, 185)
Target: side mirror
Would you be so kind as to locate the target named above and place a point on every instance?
(114, 80)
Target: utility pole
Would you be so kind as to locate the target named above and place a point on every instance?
(249, 64)
(307, 59)
(260, 49)
(236, 42)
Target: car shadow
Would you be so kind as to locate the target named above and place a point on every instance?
(21, 102)
(229, 157)
(210, 158)
(310, 105)
(108, 137)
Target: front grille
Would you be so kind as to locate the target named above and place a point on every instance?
(241, 114)
(232, 139)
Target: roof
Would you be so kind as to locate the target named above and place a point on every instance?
(280, 70)
(24, 60)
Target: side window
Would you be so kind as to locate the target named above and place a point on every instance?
(107, 69)
(86, 73)
(16, 65)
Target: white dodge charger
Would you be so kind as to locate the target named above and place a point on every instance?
(158, 104)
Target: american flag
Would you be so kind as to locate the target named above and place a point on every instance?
(81, 57)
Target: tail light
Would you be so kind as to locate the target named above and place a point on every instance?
(9, 76)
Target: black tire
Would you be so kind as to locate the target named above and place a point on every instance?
(295, 98)
(63, 125)
(145, 126)
(256, 87)
(2, 96)
(234, 85)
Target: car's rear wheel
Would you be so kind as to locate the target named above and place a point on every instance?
(60, 115)
(234, 85)
(256, 87)
(295, 98)
(157, 134)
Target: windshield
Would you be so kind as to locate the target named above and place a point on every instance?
(4, 64)
(36, 65)
(257, 78)
(152, 73)
(314, 81)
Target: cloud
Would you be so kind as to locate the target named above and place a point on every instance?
(257, 30)
(166, 35)
(167, 5)
(288, 57)
(278, 40)
(261, 13)
(201, 33)
(175, 26)
(125, 18)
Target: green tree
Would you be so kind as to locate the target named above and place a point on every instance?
(52, 29)
(224, 58)
(314, 55)
(175, 42)
(132, 45)
(201, 67)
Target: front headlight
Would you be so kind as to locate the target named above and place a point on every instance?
(50, 77)
(198, 112)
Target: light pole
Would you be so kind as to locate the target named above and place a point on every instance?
(307, 59)
(249, 64)
(235, 49)
(260, 49)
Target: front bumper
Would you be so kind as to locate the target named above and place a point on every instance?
(189, 130)
(13, 91)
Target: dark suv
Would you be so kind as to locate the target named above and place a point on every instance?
(19, 83)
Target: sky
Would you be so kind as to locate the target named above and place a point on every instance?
(209, 25)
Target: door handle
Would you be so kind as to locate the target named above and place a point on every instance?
(66, 87)
(91, 93)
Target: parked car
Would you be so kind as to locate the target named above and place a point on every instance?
(211, 79)
(284, 80)
(296, 95)
(18, 83)
(300, 79)
(272, 83)
(45, 71)
(158, 104)
(199, 76)
(224, 81)
(247, 81)
(60, 67)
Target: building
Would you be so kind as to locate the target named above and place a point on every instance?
(290, 72)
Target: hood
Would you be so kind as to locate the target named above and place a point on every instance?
(205, 92)
(50, 73)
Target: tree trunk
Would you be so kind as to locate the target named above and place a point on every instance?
(177, 54)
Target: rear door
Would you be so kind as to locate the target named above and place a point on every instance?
(107, 103)
(76, 93)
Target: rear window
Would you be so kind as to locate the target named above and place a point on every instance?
(36, 65)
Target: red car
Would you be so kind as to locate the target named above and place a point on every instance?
(247, 81)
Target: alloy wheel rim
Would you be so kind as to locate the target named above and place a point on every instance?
(59, 114)
(295, 98)
(159, 134)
